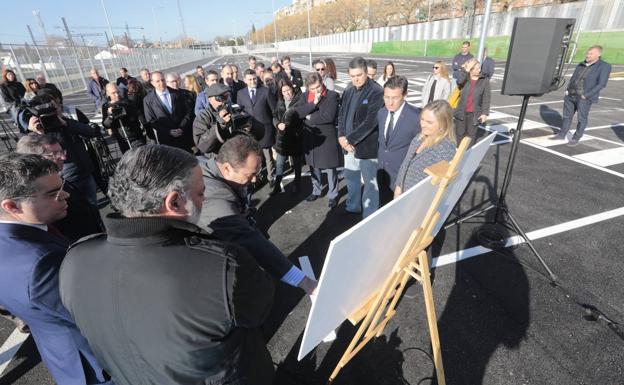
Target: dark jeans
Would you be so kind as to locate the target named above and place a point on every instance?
(466, 128)
(280, 162)
(572, 104)
(317, 181)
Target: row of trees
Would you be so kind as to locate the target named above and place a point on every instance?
(351, 15)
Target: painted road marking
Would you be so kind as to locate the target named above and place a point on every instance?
(461, 255)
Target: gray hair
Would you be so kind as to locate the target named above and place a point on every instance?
(146, 175)
(33, 143)
(172, 75)
(18, 173)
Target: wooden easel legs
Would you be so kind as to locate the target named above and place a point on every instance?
(386, 303)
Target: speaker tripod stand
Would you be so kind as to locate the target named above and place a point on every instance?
(495, 236)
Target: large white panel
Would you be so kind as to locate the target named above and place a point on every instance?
(359, 260)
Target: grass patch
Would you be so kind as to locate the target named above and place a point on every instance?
(612, 43)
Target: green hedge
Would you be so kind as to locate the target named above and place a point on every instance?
(612, 43)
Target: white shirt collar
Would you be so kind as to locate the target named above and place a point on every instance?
(397, 113)
(38, 226)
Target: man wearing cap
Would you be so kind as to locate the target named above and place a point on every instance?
(213, 120)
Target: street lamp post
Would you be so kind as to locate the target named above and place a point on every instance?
(275, 28)
(309, 36)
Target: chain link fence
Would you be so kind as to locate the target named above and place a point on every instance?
(69, 67)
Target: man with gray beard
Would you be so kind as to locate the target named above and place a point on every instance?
(160, 300)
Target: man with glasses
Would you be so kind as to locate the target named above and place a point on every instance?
(82, 218)
(78, 167)
(226, 213)
(31, 252)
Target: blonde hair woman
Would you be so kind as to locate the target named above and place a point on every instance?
(438, 84)
(190, 83)
(435, 143)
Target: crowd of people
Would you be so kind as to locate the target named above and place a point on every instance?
(174, 285)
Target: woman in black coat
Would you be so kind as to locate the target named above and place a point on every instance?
(12, 92)
(289, 137)
(474, 103)
(319, 110)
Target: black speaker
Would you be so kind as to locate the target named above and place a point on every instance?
(536, 55)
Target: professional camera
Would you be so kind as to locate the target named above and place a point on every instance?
(118, 110)
(240, 122)
(47, 114)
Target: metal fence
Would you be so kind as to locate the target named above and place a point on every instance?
(69, 66)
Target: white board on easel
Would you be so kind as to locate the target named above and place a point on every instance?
(360, 259)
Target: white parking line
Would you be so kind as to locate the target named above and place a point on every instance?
(10, 347)
(533, 235)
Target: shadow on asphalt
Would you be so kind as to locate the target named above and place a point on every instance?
(29, 357)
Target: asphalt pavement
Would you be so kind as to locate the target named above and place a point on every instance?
(501, 319)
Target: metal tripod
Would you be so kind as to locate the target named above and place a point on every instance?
(500, 205)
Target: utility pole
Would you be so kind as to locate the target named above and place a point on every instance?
(71, 44)
(37, 14)
(181, 20)
(309, 36)
(43, 66)
(275, 28)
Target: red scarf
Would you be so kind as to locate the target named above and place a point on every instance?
(311, 95)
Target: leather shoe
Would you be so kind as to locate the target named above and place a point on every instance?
(312, 198)
(332, 203)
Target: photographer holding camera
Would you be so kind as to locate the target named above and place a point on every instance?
(219, 121)
(121, 119)
(45, 116)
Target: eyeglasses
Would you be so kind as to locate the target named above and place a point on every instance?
(320, 69)
(55, 154)
(56, 195)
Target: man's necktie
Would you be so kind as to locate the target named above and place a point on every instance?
(390, 126)
(253, 95)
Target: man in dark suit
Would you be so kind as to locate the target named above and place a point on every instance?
(169, 115)
(294, 75)
(260, 104)
(357, 135)
(82, 217)
(227, 79)
(399, 123)
(589, 77)
(31, 198)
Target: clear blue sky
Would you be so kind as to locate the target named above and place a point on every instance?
(203, 19)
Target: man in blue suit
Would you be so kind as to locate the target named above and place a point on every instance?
(399, 123)
(590, 76)
(257, 101)
(31, 252)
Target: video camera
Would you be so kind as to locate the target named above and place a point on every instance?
(118, 110)
(47, 114)
(240, 122)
